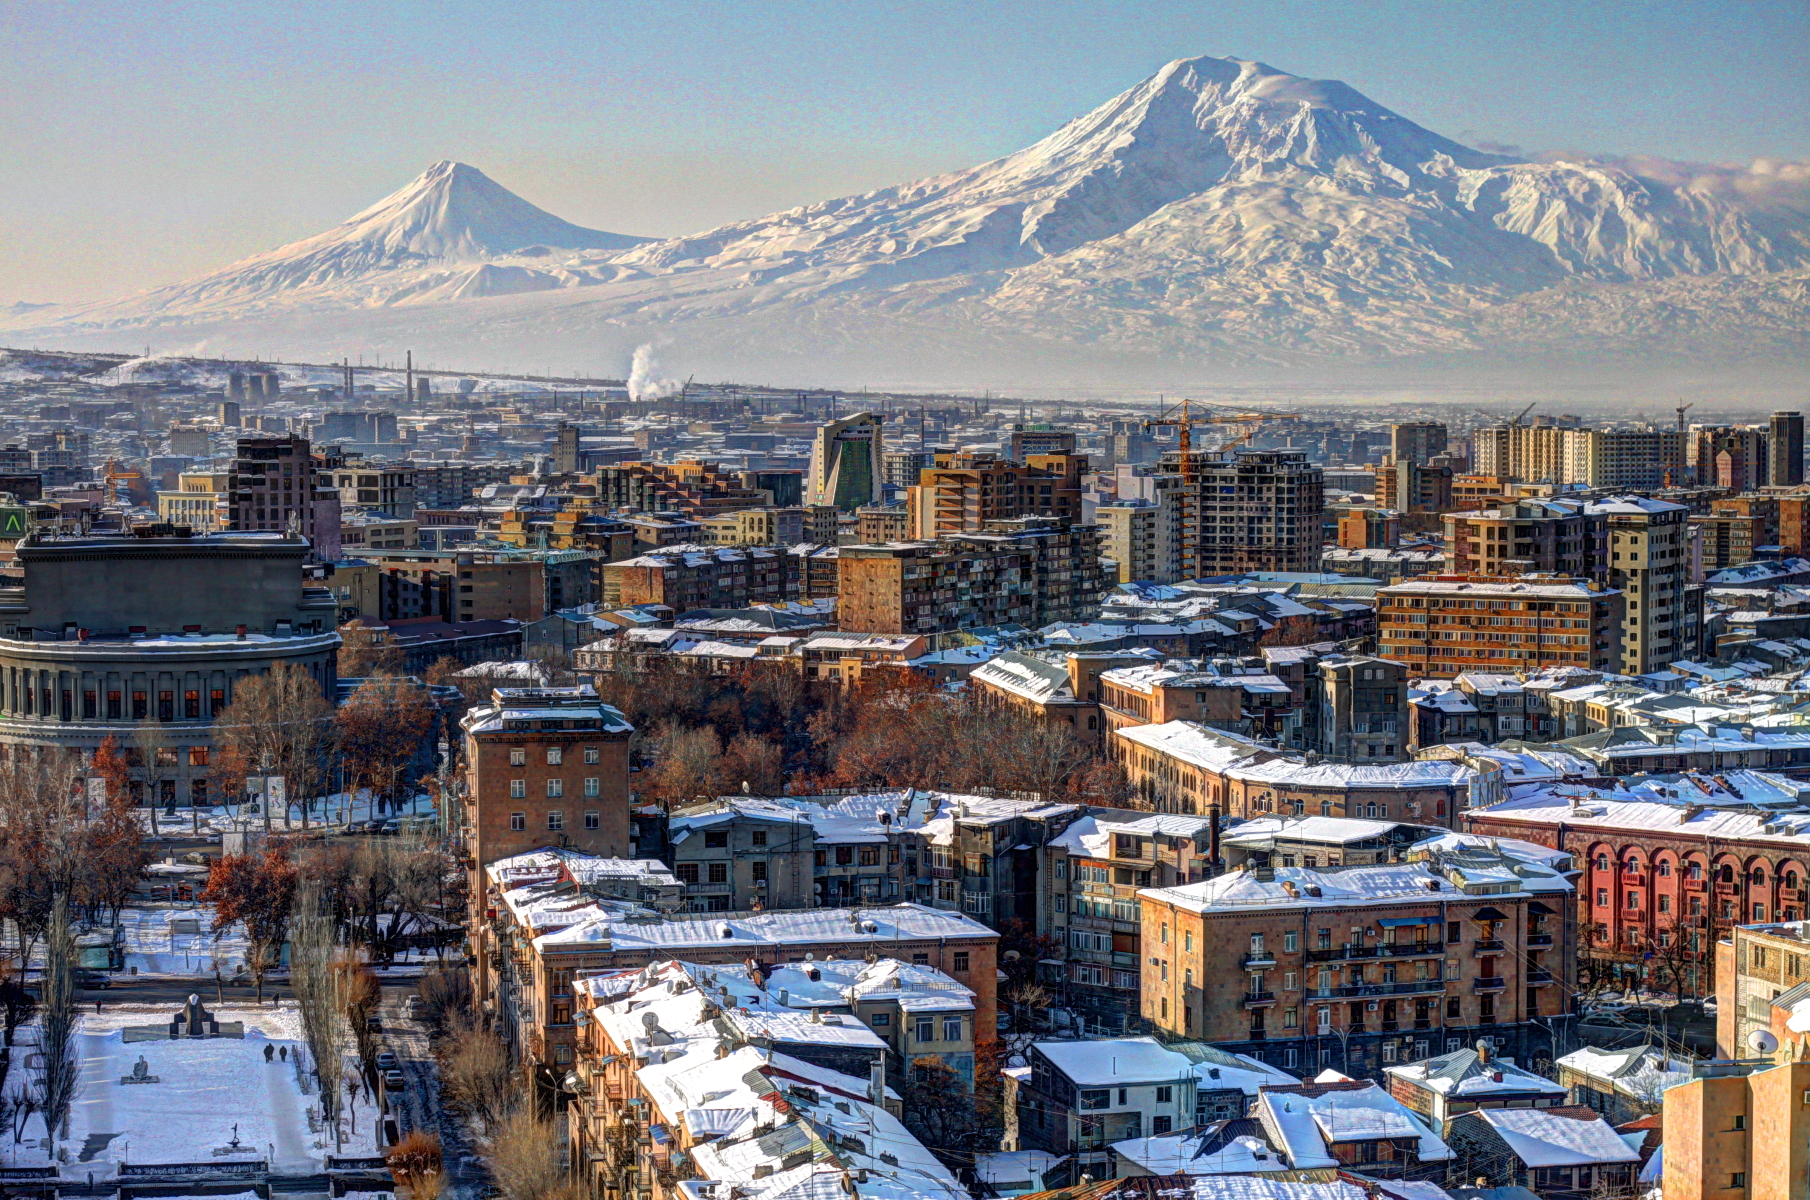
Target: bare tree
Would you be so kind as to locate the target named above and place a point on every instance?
(318, 992)
(380, 730)
(279, 723)
(525, 1162)
(475, 1076)
(157, 765)
(59, 1073)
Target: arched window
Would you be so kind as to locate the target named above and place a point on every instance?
(1790, 879)
(1664, 869)
(1325, 808)
(1759, 876)
(1631, 867)
(1726, 874)
(1602, 862)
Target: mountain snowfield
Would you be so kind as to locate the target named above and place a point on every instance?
(1219, 213)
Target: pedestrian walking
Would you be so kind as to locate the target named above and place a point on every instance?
(270, 1052)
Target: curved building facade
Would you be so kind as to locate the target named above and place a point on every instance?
(111, 635)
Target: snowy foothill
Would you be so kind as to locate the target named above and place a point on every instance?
(205, 1087)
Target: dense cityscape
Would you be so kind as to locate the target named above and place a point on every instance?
(601, 793)
(908, 601)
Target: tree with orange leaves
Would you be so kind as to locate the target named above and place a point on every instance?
(256, 891)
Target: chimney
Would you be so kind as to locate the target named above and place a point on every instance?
(1213, 840)
(241, 633)
(876, 1082)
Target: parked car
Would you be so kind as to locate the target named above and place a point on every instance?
(93, 979)
(374, 1024)
(387, 1061)
(412, 1008)
(394, 1081)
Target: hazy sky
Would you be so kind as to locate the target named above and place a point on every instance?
(144, 142)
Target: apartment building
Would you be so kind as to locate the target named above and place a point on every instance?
(1785, 449)
(1181, 767)
(1026, 440)
(1613, 458)
(378, 487)
(1735, 530)
(1226, 694)
(1031, 570)
(385, 584)
(1362, 709)
(1649, 561)
(275, 483)
(1143, 538)
(693, 487)
(1081, 1097)
(1414, 487)
(1370, 528)
(964, 492)
(1094, 870)
(658, 1065)
(772, 527)
(1729, 456)
(1527, 536)
(1417, 441)
(743, 854)
(1443, 625)
(1249, 510)
(1362, 968)
(545, 767)
(1669, 867)
(688, 577)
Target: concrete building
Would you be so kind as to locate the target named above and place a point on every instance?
(1180, 767)
(1416, 441)
(1143, 538)
(381, 487)
(848, 462)
(1520, 538)
(772, 527)
(1728, 456)
(1362, 969)
(1370, 528)
(1785, 450)
(1736, 530)
(1027, 440)
(1249, 510)
(690, 577)
(1081, 1097)
(1362, 710)
(274, 484)
(1443, 625)
(1740, 1128)
(196, 500)
(109, 633)
(1649, 563)
(742, 854)
(1414, 487)
(964, 493)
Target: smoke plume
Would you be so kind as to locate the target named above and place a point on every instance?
(641, 382)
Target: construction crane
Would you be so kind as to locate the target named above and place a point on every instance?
(1184, 427)
(1512, 421)
(1671, 465)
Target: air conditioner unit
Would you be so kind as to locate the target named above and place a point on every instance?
(1370, 1007)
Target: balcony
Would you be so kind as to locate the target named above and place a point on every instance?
(1489, 983)
(1539, 979)
(1414, 987)
(1539, 941)
(709, 889)
(1406, 950)
(1487, 946)
(1259, 960)
(1259, 999)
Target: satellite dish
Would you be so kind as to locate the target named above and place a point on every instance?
(1762, 1041)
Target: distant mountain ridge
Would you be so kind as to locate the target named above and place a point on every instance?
(1219, 211)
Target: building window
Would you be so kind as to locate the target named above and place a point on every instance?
(518, 756)
(758, 837)
(518, 788)
(113, 706)
(960, 965)
(556, 787)
(1157, 1124)
(716, 839)
(592, 754)
(590, 820)
(1759, 912)
(1290, 1017)
(881, 1020)
(870, 856)
(197, 756)
(1452, 1010)
(593, 786)
(556, 820)
(1602, 896)
(141, 706)
(687, 872)
(757, 870)
(1094, 1099)
(518, 822)
(191, 705)
(1291, 941)
(719, 872)
(926, 1030)
(556, 755)
(952, 1029)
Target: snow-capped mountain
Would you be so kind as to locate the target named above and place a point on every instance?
(1220, 211)
(444, 235)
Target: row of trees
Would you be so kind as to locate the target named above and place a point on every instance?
(761, 725)
(279, 724)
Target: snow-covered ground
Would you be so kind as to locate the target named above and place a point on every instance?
(154, 945)
(336, 809)
(207, 1086)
